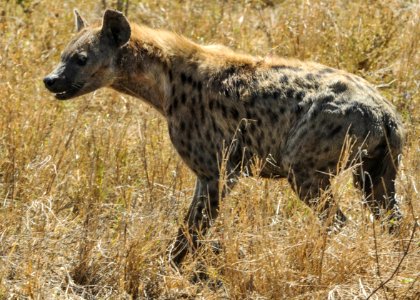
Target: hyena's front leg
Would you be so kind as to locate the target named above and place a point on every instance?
(203, 210)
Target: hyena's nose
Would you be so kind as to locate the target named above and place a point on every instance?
(49, 81)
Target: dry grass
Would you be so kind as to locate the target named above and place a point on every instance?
(91, 191)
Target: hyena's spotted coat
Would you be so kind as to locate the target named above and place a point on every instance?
(292, 115)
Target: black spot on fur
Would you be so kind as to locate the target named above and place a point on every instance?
(282, 110)
(214, 126)
(183, 98)
(182, 125)
(326, 71)
(332, 164)
(247, 140)
(310, 163)
(199, 86)
(253, 100)
(284, 79)
(189, 79)
(211, 104)
(224, 110)
(300, 95)
(170, 75)
(234, 113)
(273, 117)
(193, 100)
(326, 99)
(248, 114)
(183, 78)
(310, 77)
(173, 90)
(334, 131)
(252, 128)
(208, 136)
(289, 93)
(209, 162)
(175, 103)
(284, 67)
(202, 112)
(339, 87)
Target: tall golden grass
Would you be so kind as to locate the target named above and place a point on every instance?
(92, 192)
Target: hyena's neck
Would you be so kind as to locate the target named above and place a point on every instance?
(156, 62)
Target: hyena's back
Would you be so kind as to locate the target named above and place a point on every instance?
(297, 117)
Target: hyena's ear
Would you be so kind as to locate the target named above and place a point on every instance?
(116, 27)
(79, 21)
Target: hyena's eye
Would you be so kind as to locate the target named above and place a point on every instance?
(81, 59)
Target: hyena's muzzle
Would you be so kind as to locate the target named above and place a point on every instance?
(61, 82)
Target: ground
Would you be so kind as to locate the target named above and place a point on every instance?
(92, 192)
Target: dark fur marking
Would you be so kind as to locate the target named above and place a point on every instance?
(170, 110)
(336, 130)
(284, 67)
(273, 117)
(247, 140)
(338, 87)
(175, 103)
(189, 79)
(299, 95)
(224, 110)
(202, 113)
(249, 115)
(284, 79)
(253, 100)
(211, 104)
(208, 135)
(183, 98)
(326, 71)
(182, 125)
(310, 77)
(214, 125)
(289, 93)
(183, 78)
(170, 75)
(326, 99)
(252, 128)
(234, 113)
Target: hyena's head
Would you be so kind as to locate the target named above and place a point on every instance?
(89, 60)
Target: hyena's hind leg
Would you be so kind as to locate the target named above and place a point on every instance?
(314, 190)
(376, 178)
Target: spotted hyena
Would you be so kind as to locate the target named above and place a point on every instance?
(291, 115)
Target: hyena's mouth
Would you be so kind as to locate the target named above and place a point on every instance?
(71, 92)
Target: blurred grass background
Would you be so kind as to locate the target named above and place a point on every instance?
(92, 192)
